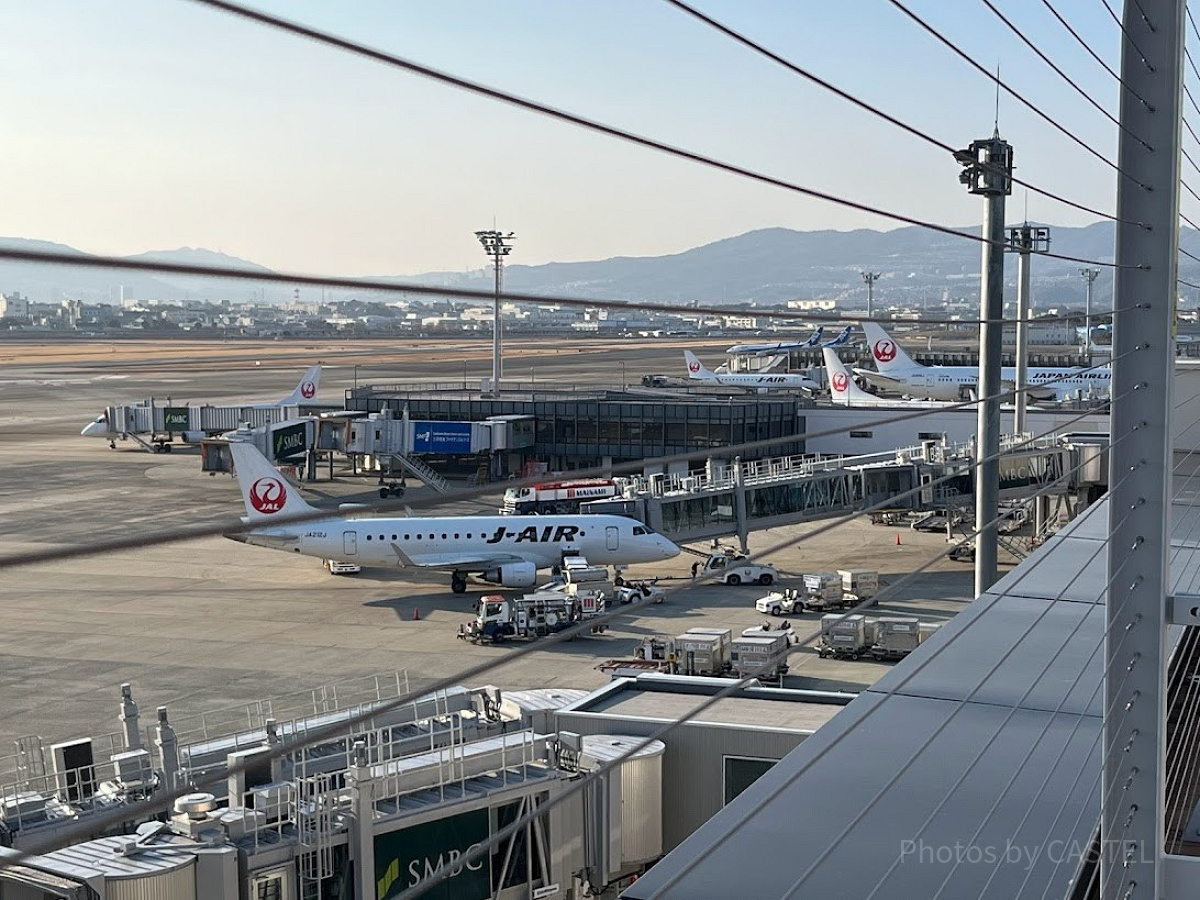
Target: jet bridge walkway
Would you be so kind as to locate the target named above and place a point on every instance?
(740, 497)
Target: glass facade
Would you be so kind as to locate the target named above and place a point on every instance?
(581, 432)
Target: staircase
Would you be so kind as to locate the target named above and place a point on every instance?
(418, 469)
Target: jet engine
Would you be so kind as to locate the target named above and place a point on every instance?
(513, 575)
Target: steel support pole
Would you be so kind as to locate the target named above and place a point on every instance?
(991, 343)
(1022, 331)
(497, 347)
(1140, 461)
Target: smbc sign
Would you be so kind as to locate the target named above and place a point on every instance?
(406, 858)
(289, 441)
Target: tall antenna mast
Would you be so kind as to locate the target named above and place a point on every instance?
(996, 123)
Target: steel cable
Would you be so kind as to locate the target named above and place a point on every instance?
(381, 56)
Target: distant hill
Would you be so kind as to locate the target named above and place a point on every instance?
(763, 267)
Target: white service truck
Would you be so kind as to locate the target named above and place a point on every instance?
(781, 603)
(535, 615)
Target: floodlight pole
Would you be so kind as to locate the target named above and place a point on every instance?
(495, 244)
(987, 171)
(870, 278)
(1024, 241)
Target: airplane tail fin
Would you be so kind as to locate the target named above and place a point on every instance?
(306, 390)
(816, 337)
(888, 355)
(696, 368)
(842, 389)
(265, 491)
(843, 338)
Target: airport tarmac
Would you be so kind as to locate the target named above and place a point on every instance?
(208, 624)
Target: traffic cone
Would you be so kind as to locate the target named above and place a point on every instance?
(897, 539)
(416, 614)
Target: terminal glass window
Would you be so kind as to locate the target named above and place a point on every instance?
(741, 772)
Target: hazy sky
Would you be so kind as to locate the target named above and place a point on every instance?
(154, 124)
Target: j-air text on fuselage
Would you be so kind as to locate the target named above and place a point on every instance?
(500, 549)
(762, 382)
(162, 437)
(897, 371)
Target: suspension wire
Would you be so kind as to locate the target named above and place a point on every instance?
(387, 286)
(474, 87)
(1041, 734)
(1088, 47)
(1189, 255)
(1065, 77)
(1188, 156)
(989, 601)
(1191, 130)
(1188, 93)
(339, 730)
(978, 67)
(1188, 56)
(1188, 220)
(1106, 712)
(1195, 30)
(791, 66)
(1187, 187)
(479, 850)
(1188, 284)
(168, 536)
(962, 704)
(1128, 36)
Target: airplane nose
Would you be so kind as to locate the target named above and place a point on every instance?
(94, 429)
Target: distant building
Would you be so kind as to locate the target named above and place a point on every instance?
(14, 306)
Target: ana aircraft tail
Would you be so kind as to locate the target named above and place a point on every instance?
(843, 338)
(306, 390)
(696, 368)
(816, 337)
(842, 388)
(265, 491)
(888, 355)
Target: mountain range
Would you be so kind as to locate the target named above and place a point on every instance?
(763, 268)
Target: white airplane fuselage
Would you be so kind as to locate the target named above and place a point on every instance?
(949, 382)
(542, 540)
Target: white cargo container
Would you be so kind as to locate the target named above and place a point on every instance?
(704, 651)
(763, 655)
(823, 590)
(896, 637)
(862, 583)
(843, 636)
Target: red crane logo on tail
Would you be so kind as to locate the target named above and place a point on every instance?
(693, 367)
(308, 390)
(840, 383)
(267, 495)
(885, 351)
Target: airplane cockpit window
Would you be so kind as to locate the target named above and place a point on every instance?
(638, 529)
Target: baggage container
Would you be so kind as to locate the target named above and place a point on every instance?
(896, 637)
(762, 656)
(862, 583)
(843, 636)
(704, 651)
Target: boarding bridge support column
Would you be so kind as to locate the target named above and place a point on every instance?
(741, 516)
(1139, 505)
(988, 172)
(362, 832)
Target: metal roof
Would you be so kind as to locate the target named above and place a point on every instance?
(945, 778)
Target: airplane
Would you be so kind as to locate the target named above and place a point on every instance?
(841, 339)
(304, 392)
(765, 381)
(898, 371)
(844, 391)
(775, 349)
(505, 550)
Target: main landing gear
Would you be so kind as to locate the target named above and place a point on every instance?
(458, 582)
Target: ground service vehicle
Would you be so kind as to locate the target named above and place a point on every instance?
(783, 603)
(336, 567)
(557, 496)
(532, 616)
(640, 590)
(733, 570)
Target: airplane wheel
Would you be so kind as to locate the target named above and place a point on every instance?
(383, 493)
(458, 584)
(618, 581)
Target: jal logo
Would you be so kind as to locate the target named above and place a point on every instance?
(693, 367)
(267, 495)
(308, 390)
(885, 351)
(840, 382)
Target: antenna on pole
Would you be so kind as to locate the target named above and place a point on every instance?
(996, 123)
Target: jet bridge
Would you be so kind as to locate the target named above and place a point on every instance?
(740, 497)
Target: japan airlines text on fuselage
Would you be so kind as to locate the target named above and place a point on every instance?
(898, 371)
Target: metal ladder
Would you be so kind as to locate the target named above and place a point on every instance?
(313, 815)
(418, 469)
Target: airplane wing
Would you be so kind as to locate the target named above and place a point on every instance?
(878, 378)
(452, 561)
